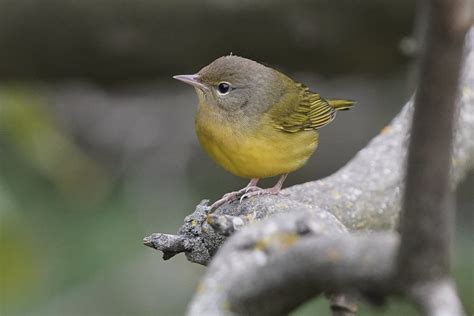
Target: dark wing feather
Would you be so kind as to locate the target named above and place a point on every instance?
(303, 110)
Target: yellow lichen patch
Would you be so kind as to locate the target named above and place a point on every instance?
(279, 240)
(386, 129)
(194, 223)
(250, 217)
(261, 244)
(287, 240)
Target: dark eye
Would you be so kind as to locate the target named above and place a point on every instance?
(224, 87)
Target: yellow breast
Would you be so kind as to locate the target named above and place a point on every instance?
(259, 151)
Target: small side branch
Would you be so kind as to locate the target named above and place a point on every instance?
(342, 305)
(437, 298)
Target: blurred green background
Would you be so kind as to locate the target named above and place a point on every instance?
(97, 147)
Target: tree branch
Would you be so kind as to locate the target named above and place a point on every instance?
(273, 280)
(364, 195)
(362, 263)
(437, 298)
(301, 250)
(428, 217)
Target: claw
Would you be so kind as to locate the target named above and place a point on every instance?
(271, 191)
(259, 191)
(250, 190)
(232, 196)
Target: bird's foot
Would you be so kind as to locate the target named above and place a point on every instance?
(232, 196)
(260, 191)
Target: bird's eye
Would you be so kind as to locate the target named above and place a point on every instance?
(224, 88)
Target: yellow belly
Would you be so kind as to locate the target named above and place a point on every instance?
(260, 152)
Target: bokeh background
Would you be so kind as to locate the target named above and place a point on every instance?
(97, 147)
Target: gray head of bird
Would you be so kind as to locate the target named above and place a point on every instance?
(236, 84)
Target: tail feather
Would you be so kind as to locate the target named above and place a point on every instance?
(341, 105)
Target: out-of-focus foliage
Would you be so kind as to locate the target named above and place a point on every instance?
(29, 128)
(116, 40)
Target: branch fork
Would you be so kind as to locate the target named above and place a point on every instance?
(337, 235)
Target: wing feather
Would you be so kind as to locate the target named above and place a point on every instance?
(304, 110)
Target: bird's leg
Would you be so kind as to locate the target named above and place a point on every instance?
(231, 196)
(252, 186)
(273, 190)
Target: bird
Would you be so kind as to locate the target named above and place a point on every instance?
(256, 122)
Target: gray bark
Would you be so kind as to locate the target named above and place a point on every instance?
(320, 236)
(428, 198)
(274, 266)
(364, 195)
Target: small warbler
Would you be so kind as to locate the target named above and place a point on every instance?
(256, 122)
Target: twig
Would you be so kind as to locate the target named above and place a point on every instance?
(342, 305)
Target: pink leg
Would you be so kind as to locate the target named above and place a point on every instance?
(273, 190)
(232, 196)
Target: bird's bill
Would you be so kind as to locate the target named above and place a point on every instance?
(191, 80)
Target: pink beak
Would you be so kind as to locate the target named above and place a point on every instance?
(192, 80)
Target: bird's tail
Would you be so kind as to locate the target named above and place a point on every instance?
(341, 105)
